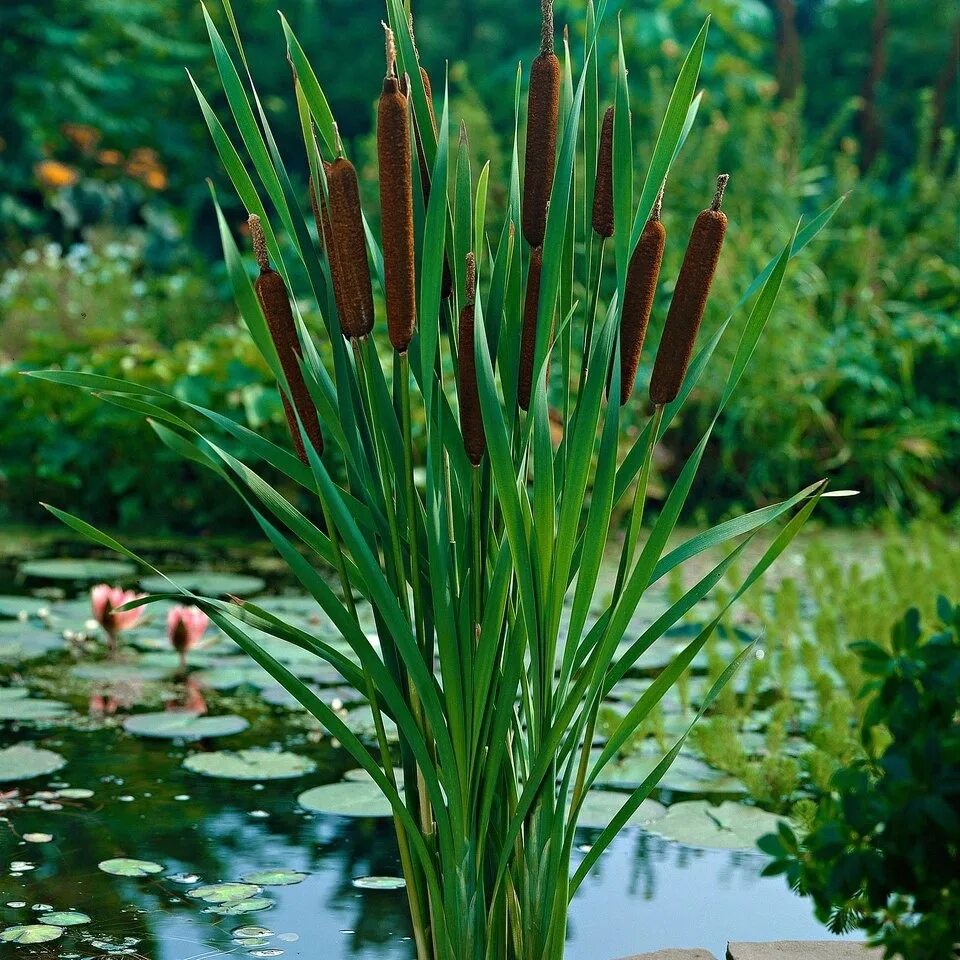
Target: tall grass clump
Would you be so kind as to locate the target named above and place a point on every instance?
(495, 643)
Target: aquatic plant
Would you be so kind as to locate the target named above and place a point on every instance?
(185, 629)
(496, 643)
(107, 606)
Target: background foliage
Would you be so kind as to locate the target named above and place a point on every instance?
(103, 149)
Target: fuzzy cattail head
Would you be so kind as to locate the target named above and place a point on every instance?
(272, 295)
(340, 224)
(543, 107)
(528, 335)
(396, 205)
(641, 288)
(689, 300)
(471, 421)
(603, 185)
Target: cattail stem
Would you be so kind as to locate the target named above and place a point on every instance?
(543, 107)
(272, 295)
(471, 421)
(640, 289)
(689, 300)
(396, 205)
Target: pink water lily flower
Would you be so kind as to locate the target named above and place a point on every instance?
(104, 600)
(185, 629)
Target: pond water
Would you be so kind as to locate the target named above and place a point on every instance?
(120, 796)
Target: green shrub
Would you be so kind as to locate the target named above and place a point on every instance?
(882, 852)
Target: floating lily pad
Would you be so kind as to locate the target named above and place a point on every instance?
(119, 672)
(686, 775)
(85, 571)
(276, 878)
(379, 883)
(729, 826)
(182, 725)
(23, 762)
(13, 693)
(31, 933)
(224, 678)
(224, 892)
(20, 642)
(349, 798)
(360, 721)
(600, 807)
(125, 867)
(250, 765)
(242, 906)
(14, 606)
(65, 918)
(26, 709)
(206, 583)
(75, 793)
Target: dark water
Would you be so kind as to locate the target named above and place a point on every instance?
(645, 894)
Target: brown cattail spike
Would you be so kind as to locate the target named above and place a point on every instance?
(543, 107)
(471, 421)
(396, 207)
(689, 300)
(641, 288)
(603, 185)
(340, 222)
(528, 335)
(272, 295)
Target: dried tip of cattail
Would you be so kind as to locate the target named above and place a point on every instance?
(603, 185)
(390, 49)
(689, 300)
(471, 277)
(658, 203)
(722, 182)
(259, 242)
(546, 26)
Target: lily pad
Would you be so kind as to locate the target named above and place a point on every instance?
(206, 583)
(23, 762)
(224, 678)
(31, 933)
(77, 571)
(26, 709)
(686, 775)
(13, 693)
(729, 826)
(119, 672)
(242, 906)
(65, 918)
(183, 725)
(224, 892)
(360, 721)
(276, 878)
(14, 606)
(75, 793)
(379, 883)
(601, 806)
(249, 765)
(125, 867)
(349, 798)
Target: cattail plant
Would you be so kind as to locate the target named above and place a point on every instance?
(639, 293)
(471, 421)
(602, 218)
(275, 304)
(689, 299)
(528, 334)
(543, 107)
(339, 223)
(496, 642)
(396, 205)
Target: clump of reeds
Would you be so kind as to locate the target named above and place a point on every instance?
(471, 422)
(340, 224)
(543, 107)
(396, 205)
(689, 299)
(603, 186)
(643, 272)
(528, 334)
(272, 294)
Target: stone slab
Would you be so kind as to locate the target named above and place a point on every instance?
(803, 950)
(673, 955)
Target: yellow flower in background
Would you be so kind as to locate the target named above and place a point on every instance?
(155, 179)
(81, 134)
(110, 158)
(53, 173)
